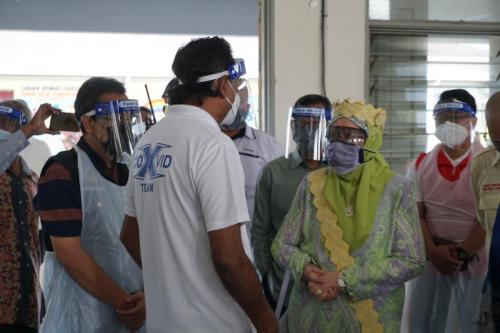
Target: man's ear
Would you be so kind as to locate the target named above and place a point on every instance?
(474, 122)
(86, 123)
(220, 87)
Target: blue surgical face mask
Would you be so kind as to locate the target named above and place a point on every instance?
(4, 133)
(342, 157)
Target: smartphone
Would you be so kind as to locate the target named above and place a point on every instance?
(64, 121)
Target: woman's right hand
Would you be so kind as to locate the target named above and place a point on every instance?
(320, 283)
(312, 272)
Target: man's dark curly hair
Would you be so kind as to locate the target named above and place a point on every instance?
(311, 99)
(459, 94)
(203, 56)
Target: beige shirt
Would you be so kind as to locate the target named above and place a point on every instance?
(486, 187)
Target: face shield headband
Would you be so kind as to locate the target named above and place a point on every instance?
(312, 112)
(114, 107)
(454, 106)
(233, 71)
(13, 114)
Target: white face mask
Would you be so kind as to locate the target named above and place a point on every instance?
(235, 105)
(451, 134)
(4, 133)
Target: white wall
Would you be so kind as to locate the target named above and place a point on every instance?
(295, 28)
(347, 49)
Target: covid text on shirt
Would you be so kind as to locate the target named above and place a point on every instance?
(150, 162)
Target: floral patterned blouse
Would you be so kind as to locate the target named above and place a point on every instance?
(19, 249)
(374, 274)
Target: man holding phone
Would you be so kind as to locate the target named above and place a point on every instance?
(12, 140)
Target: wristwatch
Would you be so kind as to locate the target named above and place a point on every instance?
(341, 283)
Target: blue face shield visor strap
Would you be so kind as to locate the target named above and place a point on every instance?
(123, 123)
(13, 114)
(312, 112)
(455, 106)
(234, 71)
(115, 107)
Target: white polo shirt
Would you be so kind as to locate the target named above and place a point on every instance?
(186, 180)
(256, 149)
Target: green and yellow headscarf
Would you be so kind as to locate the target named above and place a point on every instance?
(366, 116)
(363, 187)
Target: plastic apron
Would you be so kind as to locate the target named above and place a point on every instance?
(69, 307)
(438, 303)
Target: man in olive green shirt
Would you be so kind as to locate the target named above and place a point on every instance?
(275, 191)
(486, 189)
(486, 170)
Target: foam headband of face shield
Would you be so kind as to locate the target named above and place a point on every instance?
(237, 70)
(13, 114)
(454, 106)
(312, 112)
(117, 106)
(233, 71)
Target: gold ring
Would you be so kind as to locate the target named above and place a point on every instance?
(319, 292)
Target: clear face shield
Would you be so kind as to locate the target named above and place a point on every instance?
(11, 119)
(455, 123)
(306, 132)
(239, 121)
(122, 127)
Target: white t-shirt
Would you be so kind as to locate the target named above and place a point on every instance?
(186, 180)
(256, 149)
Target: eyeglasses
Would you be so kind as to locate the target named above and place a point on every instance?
(303, 122)
(353, 136)
(9, 124)
(107, 122)
(452, 116)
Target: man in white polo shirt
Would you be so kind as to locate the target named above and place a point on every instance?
(187, 203)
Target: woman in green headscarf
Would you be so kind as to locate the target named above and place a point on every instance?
(352, 235)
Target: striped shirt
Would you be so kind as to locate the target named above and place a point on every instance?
(58, 201)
